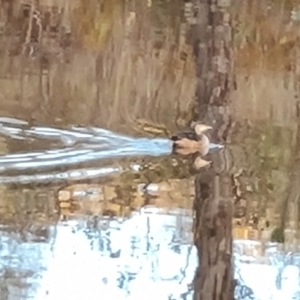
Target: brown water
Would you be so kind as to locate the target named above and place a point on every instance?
(93, 202)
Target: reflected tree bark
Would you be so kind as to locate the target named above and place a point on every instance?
(213, 237)
(290, 207)
(211, 37)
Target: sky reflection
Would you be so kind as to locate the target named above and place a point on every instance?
(144, 257)
(131, 262)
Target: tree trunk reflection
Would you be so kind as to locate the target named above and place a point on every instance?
(212, 42)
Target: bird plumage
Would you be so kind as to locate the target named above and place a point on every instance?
(192, 140)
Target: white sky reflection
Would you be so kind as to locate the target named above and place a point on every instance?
(144, 257)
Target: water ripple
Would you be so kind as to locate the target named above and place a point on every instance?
(77, 145)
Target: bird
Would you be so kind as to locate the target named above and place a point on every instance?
(192, 140)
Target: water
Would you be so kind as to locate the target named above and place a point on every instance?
(78, 145)
(93, 202)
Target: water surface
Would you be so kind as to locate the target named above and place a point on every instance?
(93, 202)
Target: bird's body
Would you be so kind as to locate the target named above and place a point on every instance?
(192, 140)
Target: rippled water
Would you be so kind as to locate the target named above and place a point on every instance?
(71, 147)
(149, 252)
(74, 146)
(105, 209)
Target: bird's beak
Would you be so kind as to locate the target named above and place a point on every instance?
(201, 128)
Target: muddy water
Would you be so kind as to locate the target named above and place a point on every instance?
(93, 202)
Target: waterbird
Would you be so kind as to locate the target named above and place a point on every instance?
(192, 140)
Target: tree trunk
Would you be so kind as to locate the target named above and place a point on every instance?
(213, 237)
(211, 37)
